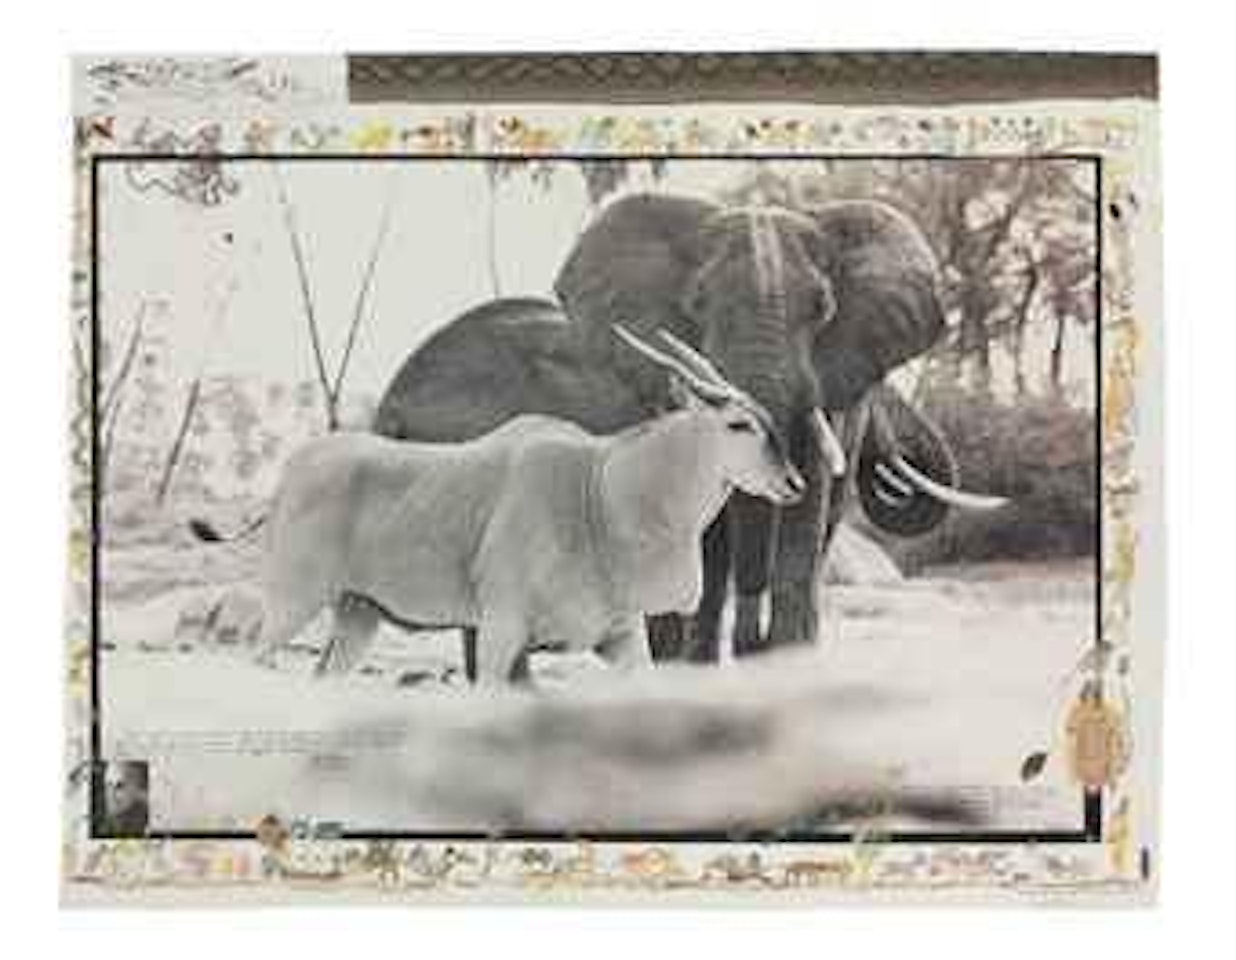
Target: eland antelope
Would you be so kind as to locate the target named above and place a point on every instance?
(538, 534)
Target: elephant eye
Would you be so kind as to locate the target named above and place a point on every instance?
(741, 426)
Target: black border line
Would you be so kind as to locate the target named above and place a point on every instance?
(96, 723)
(567, 156)
(1094, 799)
(1092, 806)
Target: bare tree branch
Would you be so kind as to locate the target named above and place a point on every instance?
(362, 297)
(126, 364)
(1021, 315)
(109, 412)
(182, 432)
(491, 232)
(192, 399)
(999, 227)
(306, 295)
(332, 387)
(107, 440)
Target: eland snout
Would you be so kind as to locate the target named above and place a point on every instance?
(788, 487)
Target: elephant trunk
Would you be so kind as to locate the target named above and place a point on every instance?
(759, 349)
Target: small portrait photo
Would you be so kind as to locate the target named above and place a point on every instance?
(126, 798)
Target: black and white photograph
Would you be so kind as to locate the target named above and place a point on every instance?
(614, 496)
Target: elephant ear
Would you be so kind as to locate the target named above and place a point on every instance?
(897, 431)
(884, 279)
(632, 265)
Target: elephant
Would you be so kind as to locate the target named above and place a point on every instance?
(806, 311)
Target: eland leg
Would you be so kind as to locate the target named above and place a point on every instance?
(625, 647)
(356, 621)
(281, 621)
(696, 637)
(501, 643)
(703, 641)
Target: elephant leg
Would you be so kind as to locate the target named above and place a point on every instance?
(796, 564)
(666, 636)
(703, 641)
(751, 533)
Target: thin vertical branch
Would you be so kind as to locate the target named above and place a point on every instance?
(491, 235)
(107, 440)
(1056, 357)
(182, 433)
(126, 364)
(1021, 319)
(113, 402)
(306, 295)
(362, 298)
(193, 397)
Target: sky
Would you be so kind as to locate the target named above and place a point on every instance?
(229, 279)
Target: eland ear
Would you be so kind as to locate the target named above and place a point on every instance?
(681, 396)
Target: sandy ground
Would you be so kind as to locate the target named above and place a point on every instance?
(948, 679)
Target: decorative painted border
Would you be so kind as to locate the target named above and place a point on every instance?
(854, 77)
(194, 109)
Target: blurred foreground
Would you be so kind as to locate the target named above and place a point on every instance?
(915, 712)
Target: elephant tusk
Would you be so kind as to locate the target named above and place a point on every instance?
(956, 498)
(893, 499)
(830, 446)
(897, 483)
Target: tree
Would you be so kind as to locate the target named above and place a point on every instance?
(1015, 239)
